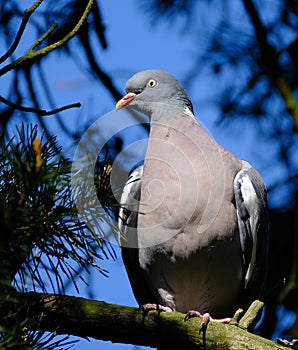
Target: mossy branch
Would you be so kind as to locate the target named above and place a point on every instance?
(43, 37)
(32, 55)
(248, 321)
(26, 16)
(121, 324)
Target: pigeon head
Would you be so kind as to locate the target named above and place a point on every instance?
(154, 91)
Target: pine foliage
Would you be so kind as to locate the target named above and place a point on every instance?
(43, 243)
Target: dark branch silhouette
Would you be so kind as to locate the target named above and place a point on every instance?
(41, 112)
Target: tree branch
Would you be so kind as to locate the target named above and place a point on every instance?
(27, 14)
(37, 110)
(88, 318)
(251, 316)
(31, 55)
(269, 57)
(103, 76)
(43, 37)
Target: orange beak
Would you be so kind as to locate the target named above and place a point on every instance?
(125, 100)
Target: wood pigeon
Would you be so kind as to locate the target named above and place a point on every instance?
(193, 218)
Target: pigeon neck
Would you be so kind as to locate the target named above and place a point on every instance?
(172, 115)
(182, 101)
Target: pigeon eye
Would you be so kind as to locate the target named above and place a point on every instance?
(151, 83)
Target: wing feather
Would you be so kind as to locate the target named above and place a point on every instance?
(127, 224)
(251, 205)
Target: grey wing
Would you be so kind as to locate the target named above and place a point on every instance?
(251, 206)
(127, 224)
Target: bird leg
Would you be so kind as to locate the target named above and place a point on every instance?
(206, 318)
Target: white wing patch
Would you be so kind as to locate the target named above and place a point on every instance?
(247, 203)
(250, 200)
(129, 201)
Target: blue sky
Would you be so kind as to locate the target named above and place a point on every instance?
(136, 43)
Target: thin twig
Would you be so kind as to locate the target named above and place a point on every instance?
(43, 37)
(37, 110)
(33, 55)
(26, 16)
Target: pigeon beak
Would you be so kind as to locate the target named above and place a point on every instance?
(125, 100)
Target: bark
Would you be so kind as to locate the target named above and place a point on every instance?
(122, 324)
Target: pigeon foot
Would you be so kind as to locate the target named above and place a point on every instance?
(206, 318)
(149, 307)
